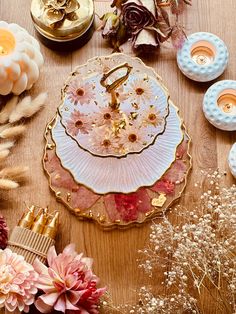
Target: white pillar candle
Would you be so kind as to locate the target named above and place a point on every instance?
(20, 59)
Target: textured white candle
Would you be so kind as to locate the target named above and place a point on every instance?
(20, 59)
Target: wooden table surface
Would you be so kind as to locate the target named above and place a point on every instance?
(115, 252)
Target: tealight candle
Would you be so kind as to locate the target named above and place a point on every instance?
(203, 57)
(232, 160)
(227, 101)
(20, 59)
(219, 105)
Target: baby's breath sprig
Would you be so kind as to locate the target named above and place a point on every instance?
(196, 257)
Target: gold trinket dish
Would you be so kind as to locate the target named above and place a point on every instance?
(63, 23)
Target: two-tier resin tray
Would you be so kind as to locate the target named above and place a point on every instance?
(116, 151)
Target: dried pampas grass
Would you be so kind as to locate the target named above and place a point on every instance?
(28, 107)
(14, 173)
(8, 109)
(6, 184)
(11, 115)
(6, 145)
(13, 132)
(4, 154)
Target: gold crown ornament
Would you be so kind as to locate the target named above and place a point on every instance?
(35, 234)
(63, 23)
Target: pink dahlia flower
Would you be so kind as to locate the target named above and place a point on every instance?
(17, 282)
(68, 283)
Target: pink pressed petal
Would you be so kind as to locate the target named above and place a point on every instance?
(143, 201)
(181, 149)
(52, 164)
(127, 206)
(63, 179)
(42, 307)
(164, 186)
(110, 205)
(84, 198)
(60, 178)
(177, 172)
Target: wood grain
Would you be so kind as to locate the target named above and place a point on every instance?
(115, 252)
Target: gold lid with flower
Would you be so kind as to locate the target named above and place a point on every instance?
(62, 20)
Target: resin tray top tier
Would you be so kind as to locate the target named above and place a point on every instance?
(119, 175)
(116, 131)
(114, 111)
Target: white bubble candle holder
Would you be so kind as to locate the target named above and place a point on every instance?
(20, 59)
(219, 105)
(232, 160)
(203, 57)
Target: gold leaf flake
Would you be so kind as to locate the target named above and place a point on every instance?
(102, 218)
(68, 197)
(160, 201)
(50, 146)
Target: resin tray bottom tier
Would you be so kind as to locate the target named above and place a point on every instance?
(117, 209)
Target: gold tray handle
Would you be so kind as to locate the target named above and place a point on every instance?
(110, 88)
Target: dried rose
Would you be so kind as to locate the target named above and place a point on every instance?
(163, 25)
(110, 24)
(146, 40)
(117, 3)
(137, 15)
(114, 30)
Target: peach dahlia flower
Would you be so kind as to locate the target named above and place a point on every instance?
(17, 282)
